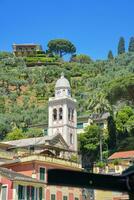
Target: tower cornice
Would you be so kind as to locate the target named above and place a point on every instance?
(63, 100)
(59, 126)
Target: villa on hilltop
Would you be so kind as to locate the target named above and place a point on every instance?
(26, 49)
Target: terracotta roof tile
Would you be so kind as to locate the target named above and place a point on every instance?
(35, 141)
(123, 154)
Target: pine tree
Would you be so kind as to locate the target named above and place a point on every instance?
(131, 45)
(121, 46)
(110, 55)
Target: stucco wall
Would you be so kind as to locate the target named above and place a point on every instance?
(32, 168)
(9, 184)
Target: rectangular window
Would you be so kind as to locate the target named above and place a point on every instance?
(42, 173)
(79, 125)
(60, 113)
(71, 139)
(33, 193)
(65, 198)
(4, 192)
(31, 148)
(53, 197)
(21, 192)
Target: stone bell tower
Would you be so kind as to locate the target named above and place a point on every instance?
(62, 113)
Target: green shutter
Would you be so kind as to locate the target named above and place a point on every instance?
(21, 192)
(42, 174)
(32, 193)
(53, 197)
(28, 192)
(64, 197)
(40, 193)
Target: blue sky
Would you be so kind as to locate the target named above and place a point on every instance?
(94, 26)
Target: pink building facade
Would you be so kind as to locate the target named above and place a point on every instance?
(36, 168)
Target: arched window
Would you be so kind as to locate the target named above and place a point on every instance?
(71, 138)
(54, 114)
(69, 113)
(72, 115)
(60, 113)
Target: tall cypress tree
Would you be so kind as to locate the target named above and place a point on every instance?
(110, 55)
(131, 45)
(121, 46)
(112, 134)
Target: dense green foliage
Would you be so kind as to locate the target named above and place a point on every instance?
(90, 138)
(81, 58)
(61, 47)
(89, 141)
(17, 133)
(119, 135)
(125, 128)
(99, 86)
(39, 59)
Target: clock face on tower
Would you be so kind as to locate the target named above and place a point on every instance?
(58, 92)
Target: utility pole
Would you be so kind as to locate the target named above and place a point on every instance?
(101, 156)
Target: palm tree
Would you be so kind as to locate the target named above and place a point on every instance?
(99, 104)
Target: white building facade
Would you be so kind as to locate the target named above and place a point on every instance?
(62, 113)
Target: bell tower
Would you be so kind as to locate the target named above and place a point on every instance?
(62, 113)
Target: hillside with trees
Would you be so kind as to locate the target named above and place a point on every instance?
(99, 86)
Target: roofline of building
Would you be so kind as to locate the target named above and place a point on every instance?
(36, 181)
(15, 176)
(47, 159)
(5, 145)
(27, 44)
(121, 157)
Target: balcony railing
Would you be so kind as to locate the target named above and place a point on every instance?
(52, 160)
